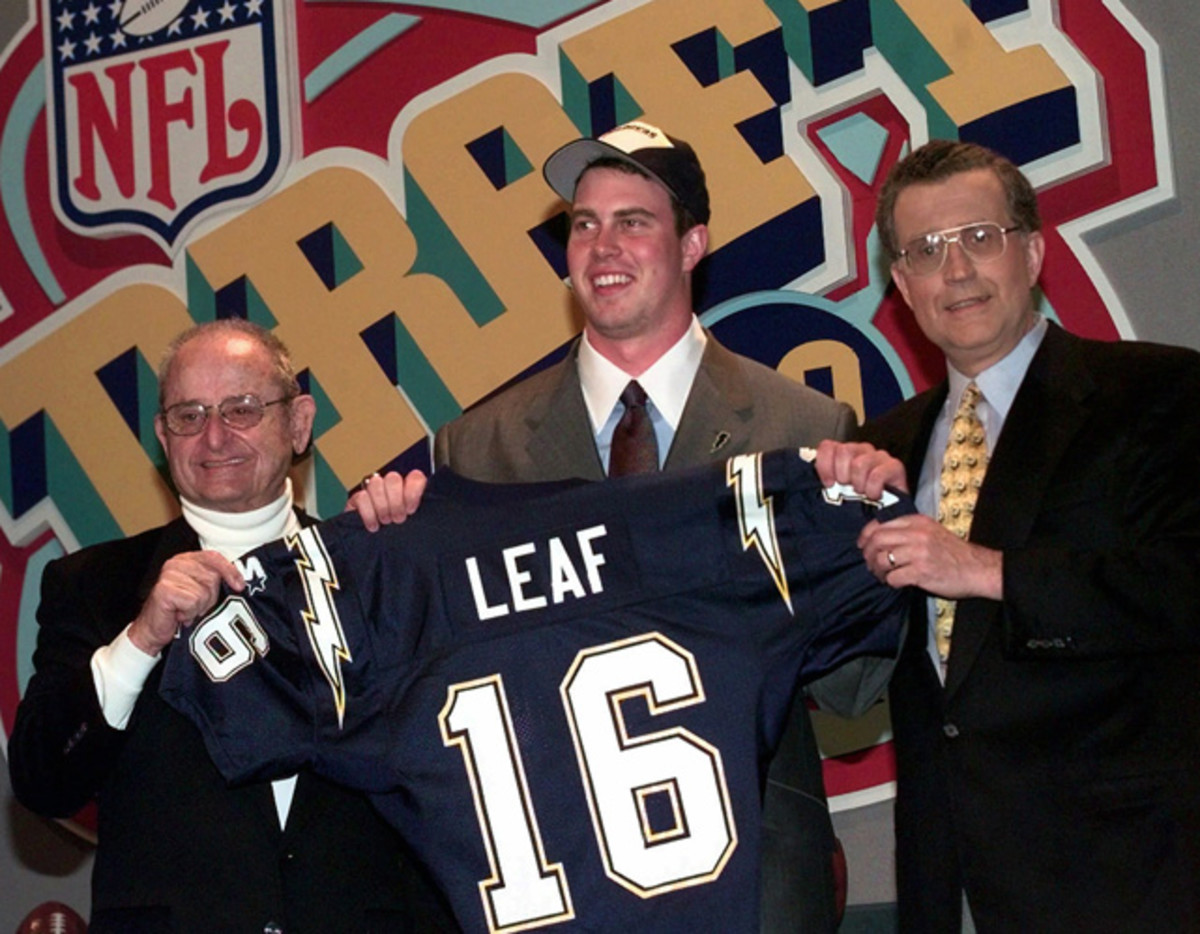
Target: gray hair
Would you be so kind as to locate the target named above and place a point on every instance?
(281, 358)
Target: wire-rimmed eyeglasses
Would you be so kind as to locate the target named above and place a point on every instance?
(237, 412)
(980, 241)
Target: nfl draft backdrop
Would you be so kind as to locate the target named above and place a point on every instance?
(364, 177)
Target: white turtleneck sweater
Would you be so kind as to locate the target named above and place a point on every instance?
(120, 669)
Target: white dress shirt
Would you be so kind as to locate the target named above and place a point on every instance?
(667, 383)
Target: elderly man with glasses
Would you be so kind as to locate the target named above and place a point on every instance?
(178, 849)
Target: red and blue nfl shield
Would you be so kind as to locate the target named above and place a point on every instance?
(162, 111)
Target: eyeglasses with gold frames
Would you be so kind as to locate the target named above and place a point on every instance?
(981, 242)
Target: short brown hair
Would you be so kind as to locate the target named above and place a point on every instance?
(937, 161)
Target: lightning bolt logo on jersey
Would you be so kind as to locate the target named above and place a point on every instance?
(756, 517)
(560, 694)
(320, 616)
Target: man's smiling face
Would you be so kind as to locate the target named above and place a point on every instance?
(224, 468)
(975, 311)
(629, 268)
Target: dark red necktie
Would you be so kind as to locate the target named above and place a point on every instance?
(634, 448)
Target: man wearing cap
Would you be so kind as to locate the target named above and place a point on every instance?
(638, 228)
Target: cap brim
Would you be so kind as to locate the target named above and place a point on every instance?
(566, 164)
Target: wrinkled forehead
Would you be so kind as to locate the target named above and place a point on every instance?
(212, 368)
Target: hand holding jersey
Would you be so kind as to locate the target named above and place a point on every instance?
(393, 497)
(382, 499)
(652, 630)
(187, 588)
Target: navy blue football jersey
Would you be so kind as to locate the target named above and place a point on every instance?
(564, 696)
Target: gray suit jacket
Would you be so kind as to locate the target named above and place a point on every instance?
(538, 430)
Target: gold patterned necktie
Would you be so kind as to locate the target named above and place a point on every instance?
(963, 467)
(634, 447)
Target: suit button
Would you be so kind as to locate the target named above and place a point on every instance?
(950, 731)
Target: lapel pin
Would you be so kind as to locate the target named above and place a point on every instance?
(720, 439)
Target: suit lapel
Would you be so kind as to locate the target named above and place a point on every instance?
(718, 414)
(560, 442)
(1047, 413)
(917, 430)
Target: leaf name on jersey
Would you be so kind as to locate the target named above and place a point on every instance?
(538, 574)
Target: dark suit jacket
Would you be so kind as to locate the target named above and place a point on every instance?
(539, 430)
(1056, 777)
(178, 849)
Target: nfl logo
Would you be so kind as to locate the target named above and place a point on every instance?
(162, 111)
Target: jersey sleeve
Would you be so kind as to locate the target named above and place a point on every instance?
(784, 514)
(852, 613)
(238, 674)
(267, 675)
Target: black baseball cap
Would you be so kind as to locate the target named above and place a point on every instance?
(669, 161)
